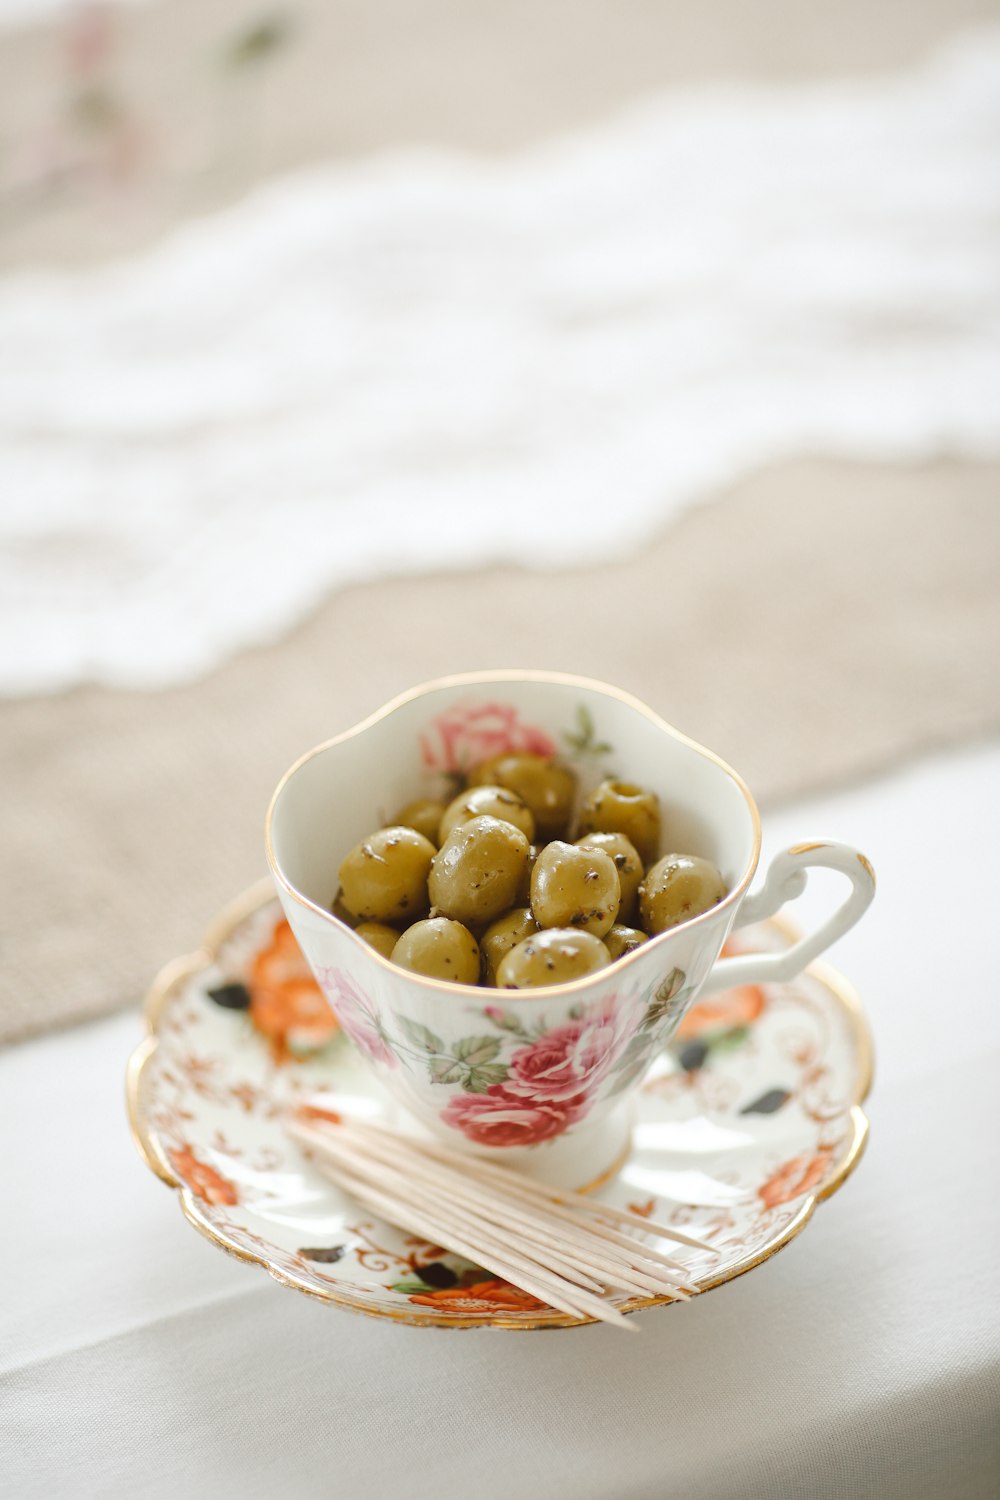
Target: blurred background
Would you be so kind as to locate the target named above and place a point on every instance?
(347, 344)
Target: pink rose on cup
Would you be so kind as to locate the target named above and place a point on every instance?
(499, 1118)
(468, 733)
(356, 1014)
(573, 1059)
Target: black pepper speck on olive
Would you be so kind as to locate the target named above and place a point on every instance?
(385, 876)
(506, 900)
(440, 949)
(623, 807)
(628, 864)
(574, 887)
(621, 940)
(424, 814)
(487, 802)
(503, 935)
(677, 888)
(556, 956)
(543, 785)
(475, 875)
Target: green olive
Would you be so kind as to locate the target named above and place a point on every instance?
(487, 802)
(556, 956)
(547, 788)
(441, 949)
(523, 896)
(424, 815)
(627, 863)
(384, 878)
(621, 940)
(678, 887)
(503, 935)
(621, 807)
(341, 913)
(476, 873)
(573, 887)
(378, 936)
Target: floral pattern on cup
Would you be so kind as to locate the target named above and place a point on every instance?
(524, 1086)
(502, 1118)
(571, 1060)
(527, 1085)
(532, 1083)
(358, 1016)
(468, 733)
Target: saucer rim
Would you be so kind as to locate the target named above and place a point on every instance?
(185, 967)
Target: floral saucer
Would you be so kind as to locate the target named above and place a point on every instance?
(751, 1117)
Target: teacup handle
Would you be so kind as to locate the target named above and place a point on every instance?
(785, 880)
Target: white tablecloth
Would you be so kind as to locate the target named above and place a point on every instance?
(651, 308)
(135, 1359)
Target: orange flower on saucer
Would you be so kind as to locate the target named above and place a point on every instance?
(319, 1112)
(471, 1298)
(286, 1003)
(728, 1011)
(204, 1181)
(796, 1177)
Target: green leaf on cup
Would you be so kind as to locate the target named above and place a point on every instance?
(422, 1036)
(582, 739)
(480, 1080)
(446, 1070)
(506, 1020)
(477, 1049)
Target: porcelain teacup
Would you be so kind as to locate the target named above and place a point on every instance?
(538, 1079)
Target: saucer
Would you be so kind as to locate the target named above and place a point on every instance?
(750, 1118)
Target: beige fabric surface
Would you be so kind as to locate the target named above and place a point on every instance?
(819, 622)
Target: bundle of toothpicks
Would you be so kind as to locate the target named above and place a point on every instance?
(570, 1251)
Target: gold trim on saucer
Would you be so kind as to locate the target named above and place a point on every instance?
(181, 970)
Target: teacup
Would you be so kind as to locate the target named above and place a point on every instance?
(538, 1079)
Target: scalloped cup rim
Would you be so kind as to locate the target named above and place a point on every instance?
(493, 676)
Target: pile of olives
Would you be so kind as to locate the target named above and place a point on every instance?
(488, 889)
